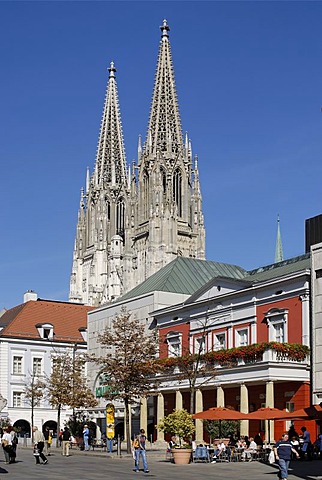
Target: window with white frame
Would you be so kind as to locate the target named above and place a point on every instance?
(200, 345)
(277, 325)
(242, 337)
(17, 364)
(219, 341)
(290, 407)
(17, 399)
(174, 341)
(37, 366)
(279, 332)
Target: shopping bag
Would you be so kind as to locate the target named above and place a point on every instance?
(271, 457)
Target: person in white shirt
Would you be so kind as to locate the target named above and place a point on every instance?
(247, 453)
(221, 448)
(6, 442)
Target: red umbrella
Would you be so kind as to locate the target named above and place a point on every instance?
(269, 413)
(220, 413)
(314, 412)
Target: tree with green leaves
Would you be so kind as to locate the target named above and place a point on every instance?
(221, 428)
(67, 384)
(178, 423)
(129, 362)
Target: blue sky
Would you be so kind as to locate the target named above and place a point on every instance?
(248, 77)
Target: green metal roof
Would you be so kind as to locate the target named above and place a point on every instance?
(275, 270)
(185, 275)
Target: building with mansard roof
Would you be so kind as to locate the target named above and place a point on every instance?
(31, 335)
(132, 221)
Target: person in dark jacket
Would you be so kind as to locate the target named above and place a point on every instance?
(65, 442)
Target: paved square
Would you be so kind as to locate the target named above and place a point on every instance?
(95, 465)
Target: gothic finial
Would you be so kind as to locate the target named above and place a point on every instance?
(112, 70)
(165, 28)
(87, 180)
(279, 257)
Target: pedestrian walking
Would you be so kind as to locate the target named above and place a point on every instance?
(283, 450)
(139, 447)
(306, 447)
(39, 443)
(46, 437)
(65, 442)
(6, 442)
(86, 437)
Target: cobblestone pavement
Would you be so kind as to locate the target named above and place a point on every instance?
(95, 465)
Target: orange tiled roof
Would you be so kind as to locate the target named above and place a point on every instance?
(66, 318)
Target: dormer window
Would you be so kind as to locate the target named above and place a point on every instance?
(83, 332)
(45, 330)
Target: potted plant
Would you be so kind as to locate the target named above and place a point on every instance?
(180, 424)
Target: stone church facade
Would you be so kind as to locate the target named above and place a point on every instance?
(134, 220)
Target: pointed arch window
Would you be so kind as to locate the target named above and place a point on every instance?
(146, 194)
(108, 208)
(177, 190)
(163, 180)
(120, 214)
(91, 223)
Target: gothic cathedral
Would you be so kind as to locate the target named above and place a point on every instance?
(132, 221)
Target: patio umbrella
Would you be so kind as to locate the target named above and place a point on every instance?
(220, 413)
(269, 413)
(314, 412)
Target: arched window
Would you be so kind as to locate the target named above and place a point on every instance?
(177, 190)
(120, 213)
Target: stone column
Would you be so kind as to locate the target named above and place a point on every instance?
(144, 414)
(199, 423)
(130, 422)
(160, 415)
(269, 424)
(244, 424)
(220, 397)
(179, 402)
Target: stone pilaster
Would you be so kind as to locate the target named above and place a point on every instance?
(269, 424)
(199, 408)
(220, 397)
(244, 424)
(160, 415)
(144, 414)
(179, 402)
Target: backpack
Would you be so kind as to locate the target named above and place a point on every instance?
(136, 443)
(15, 440)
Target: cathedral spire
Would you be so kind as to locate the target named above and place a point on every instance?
(164, 130)
(110, 163)
(279, 257)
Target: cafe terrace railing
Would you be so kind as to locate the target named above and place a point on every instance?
(258, 352)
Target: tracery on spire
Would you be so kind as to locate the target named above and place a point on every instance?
(110, 158)
(164, 131)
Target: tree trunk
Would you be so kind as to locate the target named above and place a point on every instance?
(32, 419)
(192, 399)
(58, 425)
(127, 425)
